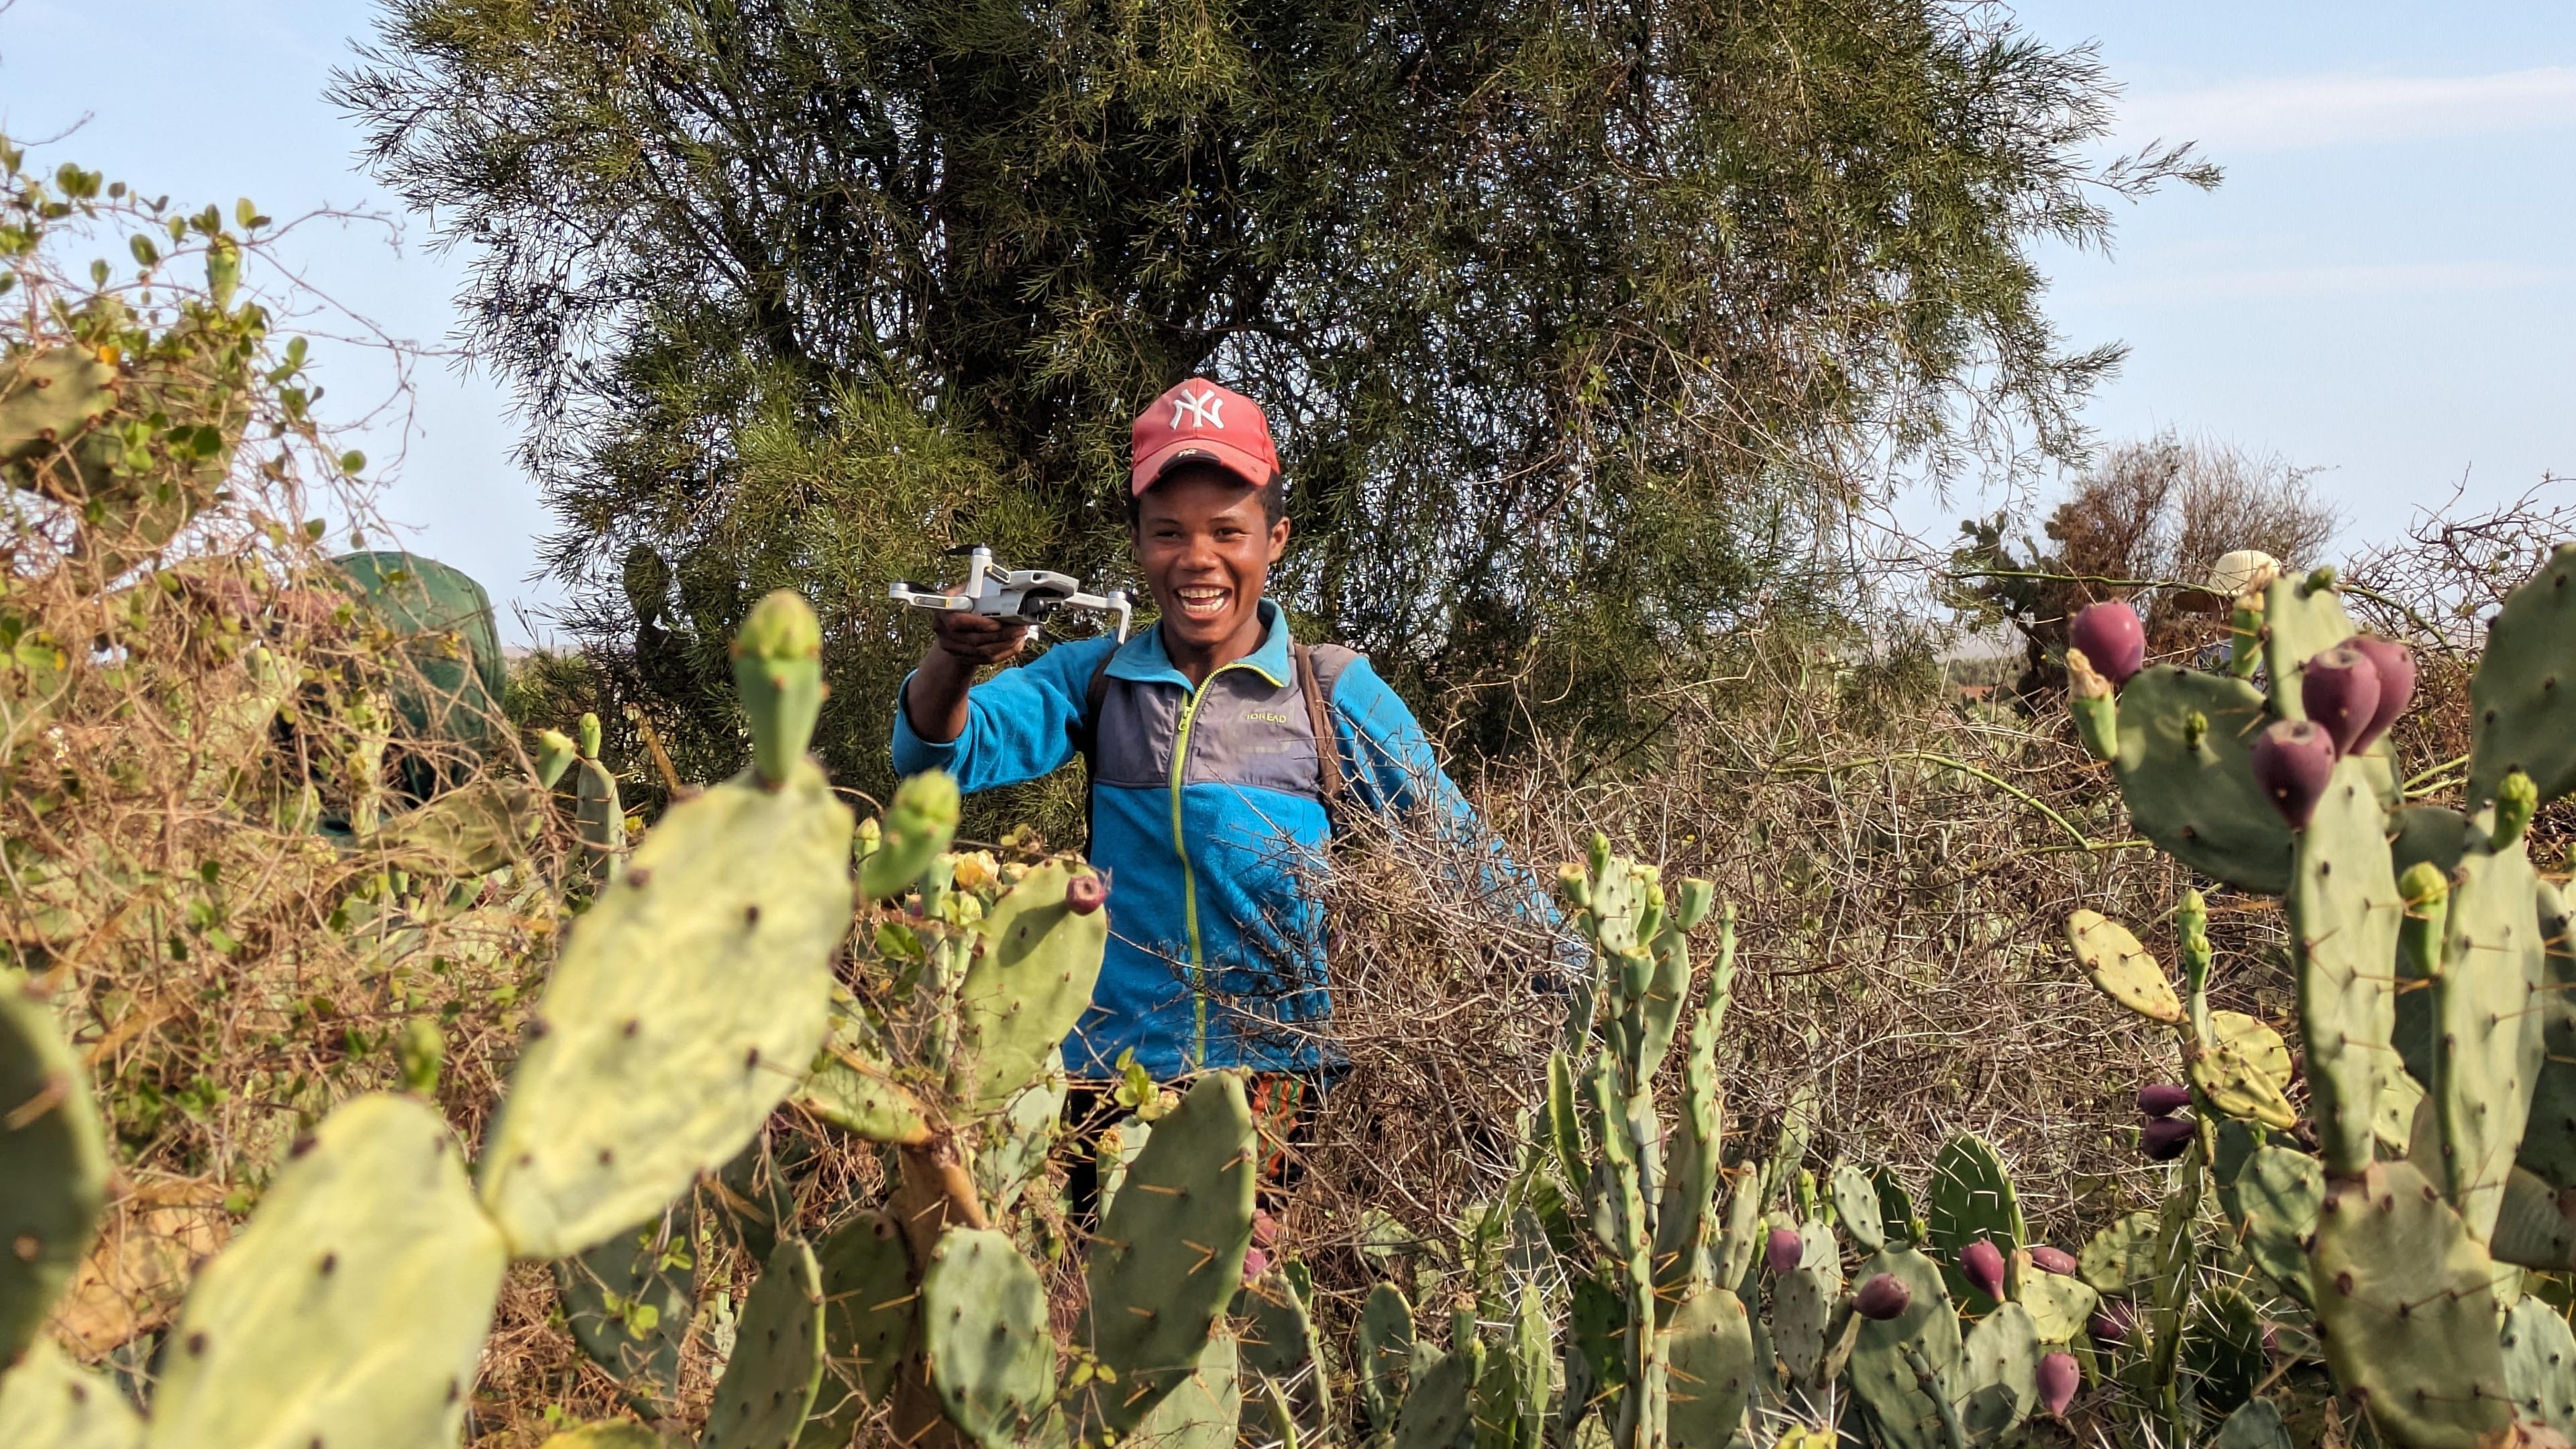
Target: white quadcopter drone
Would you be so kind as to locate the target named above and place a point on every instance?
(1019, 596)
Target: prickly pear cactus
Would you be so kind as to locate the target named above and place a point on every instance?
(2486, 1004)
(688, 1002)
(1885, 1383)
(770, 1382)
(868, 1325)
(1856, 1207)
(1998, 1374)
(1026, 988)
(2120, 968)
(1203, 1410)
(984, 1335)
(50, 398)
(2523, 697)
(1438, 1412)
(53, 1163)
(1169, 1254)
(2186, 768)
(1972, 1200)
(2406, 1305)
(49, 1402)
(629, 1302)
(352, 1307)
(2277, 1193)
(2540, 1366)
(2344, 911)
(1708, 1354)
(1382, 1354)
(917, 826)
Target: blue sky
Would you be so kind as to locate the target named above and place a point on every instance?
(2384, 289)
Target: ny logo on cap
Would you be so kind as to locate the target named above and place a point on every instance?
(1205, 410)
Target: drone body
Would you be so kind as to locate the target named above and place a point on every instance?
(1018, 596)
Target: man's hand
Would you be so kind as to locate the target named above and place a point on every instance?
(978, 639)
(935, 702)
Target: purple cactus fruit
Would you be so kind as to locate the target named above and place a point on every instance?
(1883, 1297)
(1783, 1251)
(2112, 639)
(2113, 1322)
(2293, 760)
(1255, 1263)
(1084, 893)
(2271, 1339)
(2396, 665)
(1982, 1264)
(2163, 1099)
(2162, 1140)
(2058, 1380)
(2055, 1260)
(2340, 689)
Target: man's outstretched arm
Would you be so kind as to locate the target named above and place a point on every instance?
(1016, 726)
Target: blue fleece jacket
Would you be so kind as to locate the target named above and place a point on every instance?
(1207, 820)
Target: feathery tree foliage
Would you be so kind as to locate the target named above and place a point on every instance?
(1582, 324)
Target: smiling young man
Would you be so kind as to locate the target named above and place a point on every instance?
(1210, 802)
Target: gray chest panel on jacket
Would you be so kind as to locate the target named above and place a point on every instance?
(1248, 731)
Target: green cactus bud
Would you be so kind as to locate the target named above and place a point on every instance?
(770, 1383)
(2540, 1366)
(1169, 1254)
(420, 1048)
(49, 1402)
(2516, 799)
(1692, 899)
(778, 671)
(555, 754)
(53, 1163)
(2522, 700)
(1573, 887)
(1597, 855)
(2406, 1299)
(917, 827)
(352, 1307)
(2120, 968)
(587, 732)
(2191, 931)
(689, 999)
(984, 1335)
(2091, 699)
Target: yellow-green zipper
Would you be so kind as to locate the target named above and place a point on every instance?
(1189, 878)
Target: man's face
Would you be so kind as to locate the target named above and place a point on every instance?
(1205, 551)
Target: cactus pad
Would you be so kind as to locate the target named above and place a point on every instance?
(2406, 1305)
(2060, 1304)
(2549, 1137)
(2303, 617)
(1384, 1350)
(1025, 989)
(2523, 697)
(1802, 1307)
(776, 1370)
(1708, 1349)
(614, 1434)
(2540, 1366)
(2256, 1424)
(2532, 1228)
(867, 1323)
(853, 1085)
(1998, 1374)
(1169, 1254)
(2120, 968)
(599, 817)
(53, 1163)
(2276, 1195)
(689, 1000)
(917, 826)
(1885, 1384)
(1971, 1199)
(2224, 1346)
(1203, 1410)
(2244, 1069)
(49, 1402)
(1856, 1205)
(351, 1309)
(2121, 1258)
(629, 1306)
(1437, 1413)
(984, 1334)
(50, 397)
(2187, 772)
(2344, 911)
(2489, 1018)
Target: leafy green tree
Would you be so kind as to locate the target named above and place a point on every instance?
(1583, 325)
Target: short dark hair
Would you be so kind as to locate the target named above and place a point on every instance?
(1274, 496)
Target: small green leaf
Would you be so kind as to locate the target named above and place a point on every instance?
(352, 460)
(245, 213)
(145, 253)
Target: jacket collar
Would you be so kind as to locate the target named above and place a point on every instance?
(1142, 658)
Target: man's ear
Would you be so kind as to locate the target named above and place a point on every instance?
(1278, 539)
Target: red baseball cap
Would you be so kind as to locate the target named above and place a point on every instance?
(1200, 422)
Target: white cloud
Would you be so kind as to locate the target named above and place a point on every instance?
(2288, 113)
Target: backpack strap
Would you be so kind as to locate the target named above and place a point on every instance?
(1330, 787)
(1086, 739)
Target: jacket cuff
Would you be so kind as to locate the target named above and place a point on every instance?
(912, 753)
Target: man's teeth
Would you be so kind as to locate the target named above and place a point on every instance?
(1202, 601)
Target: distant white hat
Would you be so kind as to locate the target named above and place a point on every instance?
(2241, 571)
